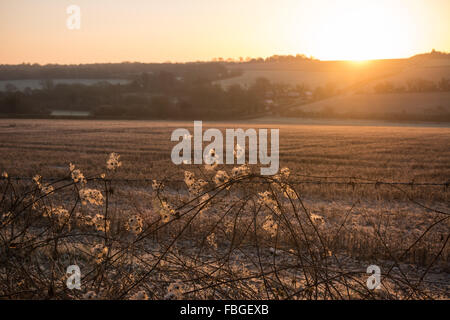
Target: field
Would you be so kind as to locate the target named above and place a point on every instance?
(343, 73)
(419, 104)
(375, 152)
(364, 195)
(317, 73)
(355, 82)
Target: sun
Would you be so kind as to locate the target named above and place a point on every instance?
(356, 30)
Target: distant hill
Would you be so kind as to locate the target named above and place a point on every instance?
(316, 73)
(432, 55)
(344, 74)
(427, 103)
(356, 96)
(416, 88)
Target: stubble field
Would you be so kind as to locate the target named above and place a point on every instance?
(369, 195)
(375, 152)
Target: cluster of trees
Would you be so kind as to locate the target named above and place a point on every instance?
(413, 85)
(282, 58)
(126, 70)
(434, 54)
(155, 90)
(156, 95)
(326, 91)
(273, 58)
(161, 95)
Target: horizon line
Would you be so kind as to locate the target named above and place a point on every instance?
(229, 60)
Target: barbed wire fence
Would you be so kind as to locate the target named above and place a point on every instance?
(245, 237)
(350, 180)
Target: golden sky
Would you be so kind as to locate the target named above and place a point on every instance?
(190, 30)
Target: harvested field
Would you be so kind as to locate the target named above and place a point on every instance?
(353, 196)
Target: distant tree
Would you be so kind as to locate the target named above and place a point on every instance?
(143, 81)
(9, 87)
(323, 92)
(165, 81)
(301, 89)
(47, 84)
(161, 105)
(11, 103)
(28, 91)
(261, 86)
(384, 87)
(421, 85)
(318, 93)
(279, 89)
(236, 96)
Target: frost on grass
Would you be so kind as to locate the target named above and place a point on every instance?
(220, 233)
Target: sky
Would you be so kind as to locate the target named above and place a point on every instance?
(35, 31)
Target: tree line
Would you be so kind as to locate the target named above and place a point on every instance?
(413, 85)
(156, 95)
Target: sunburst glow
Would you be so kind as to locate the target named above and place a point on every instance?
(358, 31)
(158, 31)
